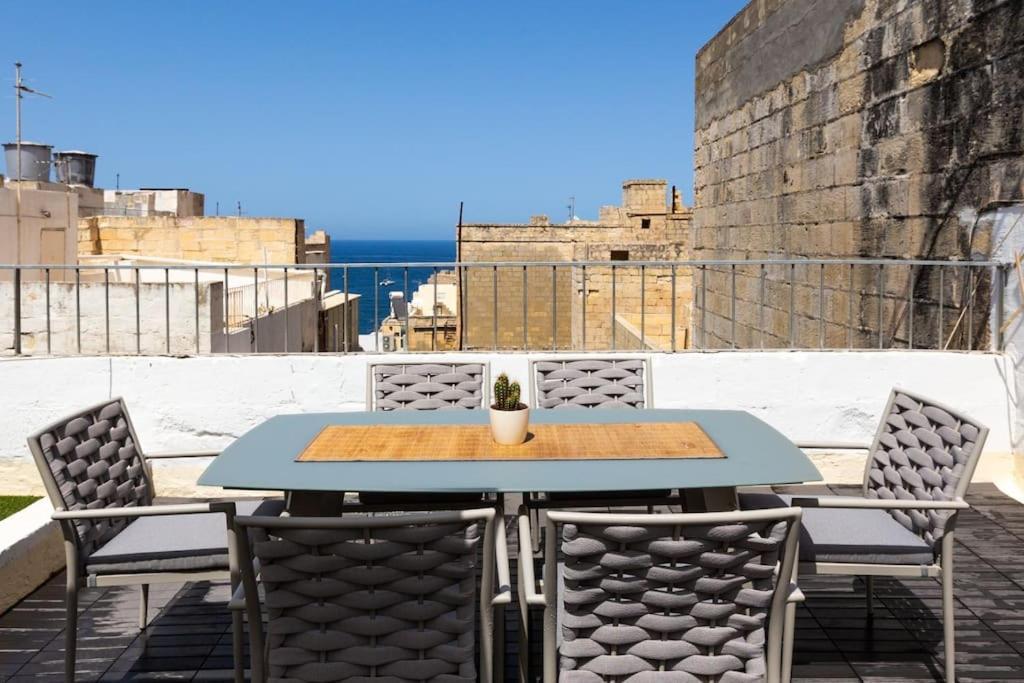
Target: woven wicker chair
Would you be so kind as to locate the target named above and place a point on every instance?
(917, 472)
(360, 597)
(424, 386)
(102, 491)
(690, 597)
(602, 383)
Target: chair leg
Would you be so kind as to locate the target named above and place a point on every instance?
(143, 606)
(948, 621)
(869, 595)
(70, 625)
(237, 650)
(788, 641)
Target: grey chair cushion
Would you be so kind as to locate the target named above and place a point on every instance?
(590, 383)
(428, 386)
(173, 542)
(849, 535)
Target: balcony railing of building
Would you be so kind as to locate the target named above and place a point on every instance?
(577, 306)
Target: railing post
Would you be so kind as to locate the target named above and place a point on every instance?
(997, 297)
(376, 310)
(198, 347)
(554, 308)
(821, 306)
(760, 304)
(939, 343)
(78, 309)
(703, 307)
(494, 302)
(227, 322)
(256, 310)
(881, 305)
(345, 319)
(287, 344)
(49, 346)
(732, 305)
(138, 314)
(792, 305)
(167, 307)
(643, 307)
(106, 305)
(613, 307)
(17, 311)
(673, 311)
(583, 277)
(526, 313)
(849, 311)
(910, 309)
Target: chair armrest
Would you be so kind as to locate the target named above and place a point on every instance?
(878, 503)
(237, 600)
(184, 454)
(503, 591)
(526, 579)
(146, 511)
(832, 445)
(794, 594)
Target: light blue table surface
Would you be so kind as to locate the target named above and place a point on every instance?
(264, 457)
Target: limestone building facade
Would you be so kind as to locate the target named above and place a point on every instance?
(569, 306)
(856, 129)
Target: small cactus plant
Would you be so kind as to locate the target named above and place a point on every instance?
(506, 394)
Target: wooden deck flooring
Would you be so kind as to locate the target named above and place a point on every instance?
(190, 639)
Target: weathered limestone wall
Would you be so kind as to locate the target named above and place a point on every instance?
(855, 128)
(108, 325)
(665, 240)
(199, 238)
(49, 230)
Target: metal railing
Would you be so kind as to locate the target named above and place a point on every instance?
(535, 305)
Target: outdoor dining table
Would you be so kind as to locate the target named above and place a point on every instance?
(750, 452)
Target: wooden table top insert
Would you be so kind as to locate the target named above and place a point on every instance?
(616, 441)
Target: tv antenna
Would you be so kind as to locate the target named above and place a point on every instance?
(572, 208)
(21, 90)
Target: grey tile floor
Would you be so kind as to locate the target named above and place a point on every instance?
(190, 636)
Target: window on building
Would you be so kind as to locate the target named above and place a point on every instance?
(619, 255)
(645, 223)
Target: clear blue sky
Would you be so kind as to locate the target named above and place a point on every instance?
(371, 119)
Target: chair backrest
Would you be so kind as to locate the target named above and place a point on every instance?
(426, 386)
(923, 450)
(702, 595)
(92, 460)
(591, 383)
(363, 596)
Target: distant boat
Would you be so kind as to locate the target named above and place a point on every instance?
(386, 282)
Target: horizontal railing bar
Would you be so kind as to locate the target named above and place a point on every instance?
(510, 264)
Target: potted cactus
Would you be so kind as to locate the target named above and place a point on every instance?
(509, 416)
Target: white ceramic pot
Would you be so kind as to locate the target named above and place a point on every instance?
(508, 427)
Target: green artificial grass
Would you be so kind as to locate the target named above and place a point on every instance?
(11, 504)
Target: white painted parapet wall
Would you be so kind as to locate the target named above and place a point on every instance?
(198, 403)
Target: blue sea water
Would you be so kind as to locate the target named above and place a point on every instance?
(362, 280)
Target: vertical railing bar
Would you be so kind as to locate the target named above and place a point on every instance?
(792, 305)
(554, 308)
(78, 308)
(167, 307)
(319, 305)
(881, 305)
(49, 345)
(138, 311)
(703, 307)
(583, 277)
(346, 317)
(106, 306)
(732, 305)
(998, 296)
(198, 349)
(526, 336)
(970, 308)
(910, 309)
(760, 305)
(643, 307)
(821, 306)
(942, 295)
(227, 324)
(673, 312)
(849, 311)
(287, 341)
(17, 310)
(463, 307)
(613, 308)
(405, 294)
(494, 307)
(256, 310)
(376, 310)
(433, 315)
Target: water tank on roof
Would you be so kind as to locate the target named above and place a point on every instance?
(35, 160)
(75, 167)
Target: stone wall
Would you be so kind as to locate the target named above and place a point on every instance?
(567, 244)
(199, 238)
(569, 307)
(849, 129)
